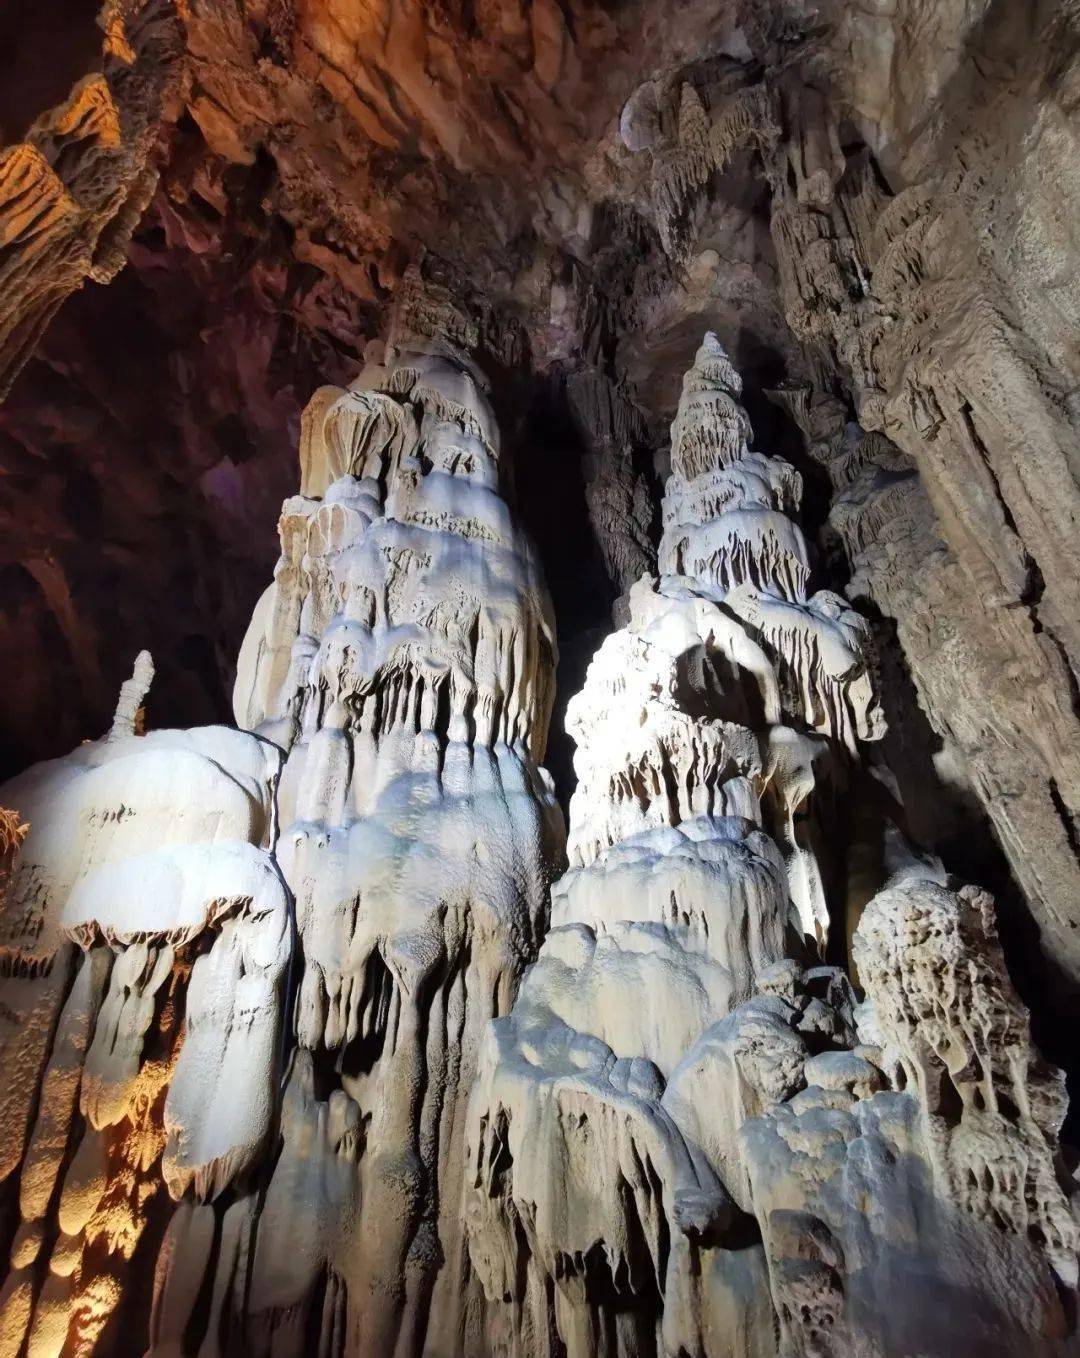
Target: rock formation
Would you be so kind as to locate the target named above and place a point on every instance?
(145, 943)
(987, 646)
(261, 987)
(404, 657)
(365, 875)
(319, 1033)
(685, 1139)
(73, 191)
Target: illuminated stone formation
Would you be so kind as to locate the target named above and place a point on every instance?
(404, 659)
(144, 944)
(290, 1066)
(685, 1138)
(371, 864)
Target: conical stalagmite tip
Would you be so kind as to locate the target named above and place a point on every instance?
(711, 346)
(713, 368)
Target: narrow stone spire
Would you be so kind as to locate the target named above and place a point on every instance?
(133, 691)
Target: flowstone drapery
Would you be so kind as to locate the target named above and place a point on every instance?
(685, 1139)
(292, 1068)
(144, 902)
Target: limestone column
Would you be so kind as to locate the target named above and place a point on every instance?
(404, 657)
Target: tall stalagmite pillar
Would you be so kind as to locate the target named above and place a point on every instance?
(404, 657)
(701, 732)
(684, 1140)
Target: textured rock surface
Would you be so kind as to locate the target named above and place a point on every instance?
(73, 191)
(366, 886)
(682, 1114)
(143, 880)
(261, 991)
(404, 657)
(878, 205)
(246, 972)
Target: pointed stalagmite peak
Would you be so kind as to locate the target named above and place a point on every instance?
(710, 426)
(133, 693)
(712, 369)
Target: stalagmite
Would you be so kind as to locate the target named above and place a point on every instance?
(295, 1021)
(254, 969)
(684, 1113)
(404, 659)
(925, 1159)
(143, 851)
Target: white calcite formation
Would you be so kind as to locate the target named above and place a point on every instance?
(291, 1068)
(685, 1139)
(922, 1164)
(145, 876)
(249, 973)
(404, 658)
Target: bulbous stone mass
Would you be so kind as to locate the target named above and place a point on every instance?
(304, 1052)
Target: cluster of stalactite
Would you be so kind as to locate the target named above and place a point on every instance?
(73, 190)
(936, 501)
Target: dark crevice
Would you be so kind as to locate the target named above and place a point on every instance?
(1033, 586)
(1068, 822)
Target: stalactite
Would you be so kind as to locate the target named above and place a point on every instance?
(617, 492)
(73, 191)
